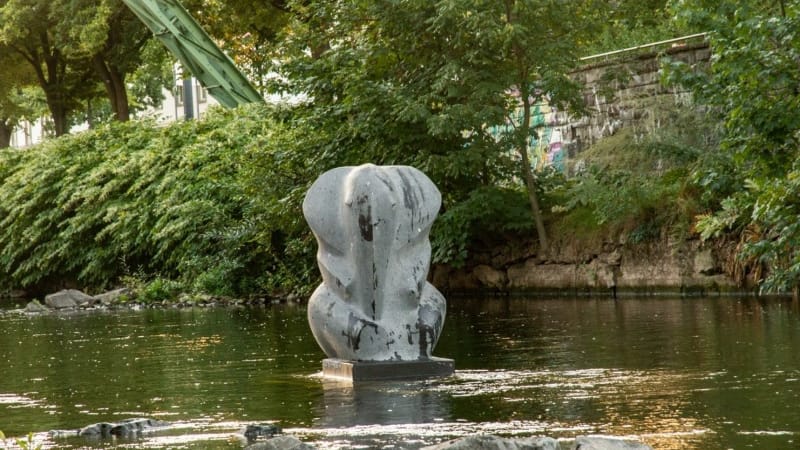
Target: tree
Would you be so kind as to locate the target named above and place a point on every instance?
(27, 27)
(246, 30)
(629, 23)
(14, 76)
(110, 38)
(74, 45)
(424, 83)
(753, 85)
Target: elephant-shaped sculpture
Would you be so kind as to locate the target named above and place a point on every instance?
(372, 225)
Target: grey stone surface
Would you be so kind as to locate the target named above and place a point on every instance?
(125, 428)
(280, 443)
(372, 225)
(68, 298)
(256, 431)
(490, 277)
(107, 298)
(705, 263)
(34, 306)
(489, 442)
(607, 443)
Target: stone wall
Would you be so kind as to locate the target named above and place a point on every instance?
(601, 267)
(624, 91)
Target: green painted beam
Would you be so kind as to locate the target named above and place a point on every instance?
(181, 34)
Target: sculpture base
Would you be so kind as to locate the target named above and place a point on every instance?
(387, 370)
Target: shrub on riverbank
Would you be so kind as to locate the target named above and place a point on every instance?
(212, 205)
(185, 202)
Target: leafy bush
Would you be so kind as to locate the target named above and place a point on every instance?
(639, 186)
(211, 206)
(487, 211)
(194, 202)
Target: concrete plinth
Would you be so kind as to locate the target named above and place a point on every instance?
(387, 370)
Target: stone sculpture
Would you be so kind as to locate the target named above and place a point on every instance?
(372, 224)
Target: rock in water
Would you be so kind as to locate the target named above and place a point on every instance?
(488, 442)
(132, 427)
(280, 443)
(372, 224)
(110, 297)
(35, 307)
(607, 443)
(124, 429)
(253, 432)
(102, 429)
(68, 298)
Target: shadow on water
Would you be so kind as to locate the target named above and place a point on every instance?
(675, 373)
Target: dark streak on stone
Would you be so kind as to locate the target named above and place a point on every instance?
(429, 320)
(354, 328)
(365, 221)
(408, 193)
(330, 309)
(385, 181)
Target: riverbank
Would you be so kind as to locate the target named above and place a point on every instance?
(71, 300)
(602, 265)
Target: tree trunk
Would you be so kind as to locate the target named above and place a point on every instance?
(6, 128)
(114, 82)
(55, 103)
(524, 133)
(530, 180)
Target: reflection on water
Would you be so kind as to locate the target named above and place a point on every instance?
(379, 403)
(675, 373)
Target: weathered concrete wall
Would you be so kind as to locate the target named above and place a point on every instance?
(600, 267)
(623, 92)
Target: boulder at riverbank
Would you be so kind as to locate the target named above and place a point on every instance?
(68, 298)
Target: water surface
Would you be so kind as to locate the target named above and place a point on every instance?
(675, 373)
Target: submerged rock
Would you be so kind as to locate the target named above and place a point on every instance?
(281, 443)
(489, 442)
(253, 432)
(132, 427)
(102, 429)
(607, 443)
(125, 428)
(35, 307)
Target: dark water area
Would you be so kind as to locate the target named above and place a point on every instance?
(714, 373)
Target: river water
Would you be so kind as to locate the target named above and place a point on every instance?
(715, 373)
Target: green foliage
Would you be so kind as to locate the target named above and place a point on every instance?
(629, 23)
(641, 187)
(28, 444)
(752, 86)
(485, 213)
(199, 202)
(25, 444)
(160, 289)
(436, 85)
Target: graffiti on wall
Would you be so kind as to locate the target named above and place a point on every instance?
(545, 144)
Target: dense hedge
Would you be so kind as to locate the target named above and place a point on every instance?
(211, 206)
(211, 203)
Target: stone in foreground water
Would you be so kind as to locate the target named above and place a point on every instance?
(372, 224)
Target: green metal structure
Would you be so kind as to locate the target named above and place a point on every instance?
(182, 35)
